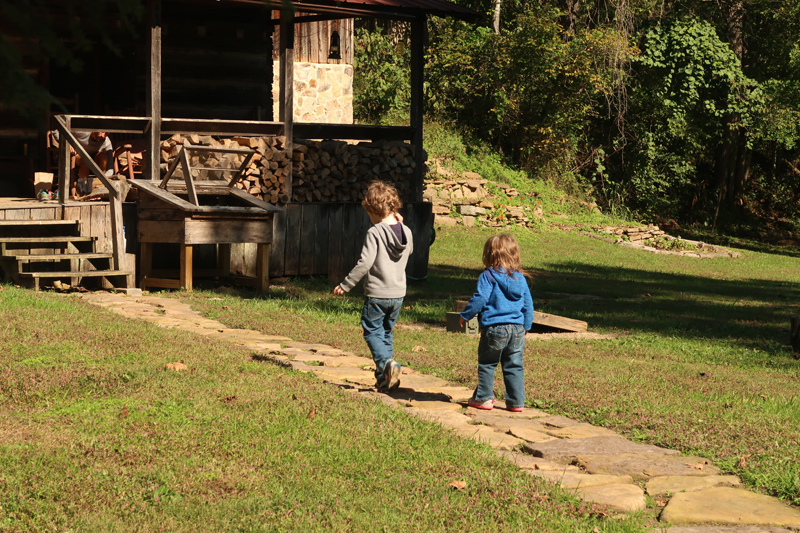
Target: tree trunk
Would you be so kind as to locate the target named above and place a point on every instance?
(496, 17)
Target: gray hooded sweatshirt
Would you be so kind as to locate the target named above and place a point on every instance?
(383, 261)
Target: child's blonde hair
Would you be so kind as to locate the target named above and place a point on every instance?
(503, 251)
(382, 199)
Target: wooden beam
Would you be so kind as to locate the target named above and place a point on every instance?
(255, 202)
(262, 267)
(186, 267)
(187, 177)
(559, 322)
(67, 136)
(307, 130)
(171, 126)
(109, 124)
(64, 169)
(418, 29)
(153, 92)
(170, 171)
(286, 103)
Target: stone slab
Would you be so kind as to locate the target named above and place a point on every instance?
(583, 431)
(725, 506)
(574, 480)
(450, 419)
(676, 484)
(623, 498)
(530, 435)
(645, 465)
(529, 462)
(433, 405)
(564, 450)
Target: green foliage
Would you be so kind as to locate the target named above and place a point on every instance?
(381, 83)
(690, 90)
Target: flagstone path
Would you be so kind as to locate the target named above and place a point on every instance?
(595, 462)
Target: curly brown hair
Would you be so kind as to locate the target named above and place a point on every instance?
(382, 199)
(503, 251)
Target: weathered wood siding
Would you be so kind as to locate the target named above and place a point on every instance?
(326, 239)
(312, 40)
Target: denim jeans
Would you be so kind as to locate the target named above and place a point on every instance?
(504, 344)
(377, 320)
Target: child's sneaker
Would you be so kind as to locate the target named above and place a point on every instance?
(380, 384)
(391, 374)
(488, 405)
(515, 409)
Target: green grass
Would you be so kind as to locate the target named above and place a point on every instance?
(95, 435)
(701, 364)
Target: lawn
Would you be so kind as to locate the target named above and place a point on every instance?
(95, 435)
(701, 361)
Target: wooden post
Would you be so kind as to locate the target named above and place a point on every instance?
(153, 92)
(418, 28)
(262, 267)
(145, 262)
(286, 104)
(224, 260)
(186, 267)
(795, 335)
(64, 168)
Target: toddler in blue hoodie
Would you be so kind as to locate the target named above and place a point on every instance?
(504, 307)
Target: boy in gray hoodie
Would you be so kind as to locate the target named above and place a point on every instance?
(383, 263)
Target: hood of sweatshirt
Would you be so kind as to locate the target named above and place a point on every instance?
(513, 288)
(394, 247)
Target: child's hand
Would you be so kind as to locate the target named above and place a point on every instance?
(462, 322)
(338, 290)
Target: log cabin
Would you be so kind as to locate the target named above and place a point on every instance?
(251, 166)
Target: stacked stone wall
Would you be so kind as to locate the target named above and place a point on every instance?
(322, 93)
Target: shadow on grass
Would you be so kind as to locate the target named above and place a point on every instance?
(741, 243)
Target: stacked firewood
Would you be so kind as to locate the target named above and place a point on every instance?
(339, 171)
(320, 171)
(265, 177)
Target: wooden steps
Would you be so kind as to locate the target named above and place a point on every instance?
(36, 276)
(35, 250)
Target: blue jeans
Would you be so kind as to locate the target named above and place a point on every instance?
(504, 344)
(377, 320)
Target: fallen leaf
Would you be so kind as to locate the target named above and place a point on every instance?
(698, 466)
(706, 374)
(312, 413)
(177, 367)
(648, 295)
(407, 308)
(458, 485)
(419, 349)
(742, 462)
(536, 467)
(1, 288)
(124, 412)
(294, 397)
(226, 307)
(596, 530)
(228, 399)
(661, 503)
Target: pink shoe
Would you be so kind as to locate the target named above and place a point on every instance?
(488, 405)
(515, 409)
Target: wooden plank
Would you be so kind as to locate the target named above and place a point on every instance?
(362, 225)
(277, 254)
(211, 231)
(67, 136)
(262, 267)
(186, 267)
(64, 170)
(335, 221)
(293, 228)
(314, 130)
(145, 261)
(224, 260)
(170, 126)
(187, 177)
(241, 170)
(160, 214)
(255, 202)
(202, 148)
(170, 231)
(559, 322)
(420, 224)
(349, 238)
(160, 283)
(170, 171)
(322, 238)
(308, 236)
(117, 236)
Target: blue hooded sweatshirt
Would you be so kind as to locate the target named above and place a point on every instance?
(501, 299)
